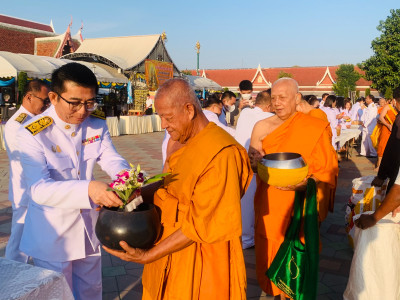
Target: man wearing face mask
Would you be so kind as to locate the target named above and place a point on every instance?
(228, 101)
(246, 89)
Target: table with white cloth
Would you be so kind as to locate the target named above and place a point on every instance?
(139, 124)
(23, 281)
(347, 136)
(113, 125)
(2, 142)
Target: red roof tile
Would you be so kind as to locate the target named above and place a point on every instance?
(25, 23)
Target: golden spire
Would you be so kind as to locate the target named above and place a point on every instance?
(198, 47)
(164, 36)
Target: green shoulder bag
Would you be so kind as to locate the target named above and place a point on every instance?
(295, 267)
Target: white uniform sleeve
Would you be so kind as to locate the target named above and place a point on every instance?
(110, 161)
(43, 189)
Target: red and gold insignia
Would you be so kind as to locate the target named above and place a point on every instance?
(39, 125)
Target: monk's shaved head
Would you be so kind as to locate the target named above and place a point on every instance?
(179, 110)
(290, 82)
(177, 92)
(285, 97)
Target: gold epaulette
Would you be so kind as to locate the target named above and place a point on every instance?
(21, 117)
(39, 125)
(99, 114)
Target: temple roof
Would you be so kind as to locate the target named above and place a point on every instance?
(26, 24)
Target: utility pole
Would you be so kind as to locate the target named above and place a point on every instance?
(198, 55)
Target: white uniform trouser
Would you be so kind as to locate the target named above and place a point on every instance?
(366, 144)
(247, 204)
(83, 275)
(17, 227)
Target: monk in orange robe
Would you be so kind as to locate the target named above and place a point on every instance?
(387, 115)
(199, 255)
(308, 109)
(288, 131)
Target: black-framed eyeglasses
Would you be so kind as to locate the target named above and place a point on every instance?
(46, 101)
(90, 105)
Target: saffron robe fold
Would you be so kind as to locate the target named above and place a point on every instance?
(385, 132)
(309, 137)
(202, 195)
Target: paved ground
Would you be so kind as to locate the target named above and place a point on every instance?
(122, 280)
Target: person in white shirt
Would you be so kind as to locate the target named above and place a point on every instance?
(324, 95)
(329, 109)
(369, 122)
(228, 106)
(149, 105)
(245, 124)
(59, 149)
(34, 102)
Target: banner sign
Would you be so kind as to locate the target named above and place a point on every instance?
(157, 72)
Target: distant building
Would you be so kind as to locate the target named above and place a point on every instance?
(311, 80)
(18, 35)
(29, 37)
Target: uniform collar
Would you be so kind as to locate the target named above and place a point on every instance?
(22, 109)
(64, 126)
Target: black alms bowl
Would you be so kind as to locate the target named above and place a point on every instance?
(139, 228)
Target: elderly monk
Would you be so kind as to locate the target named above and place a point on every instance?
(199, 255)
(288, 131)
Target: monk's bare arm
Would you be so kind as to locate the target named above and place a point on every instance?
(175, 242)
(256, 151)
(382, 117)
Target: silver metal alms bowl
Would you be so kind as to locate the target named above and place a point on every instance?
(283, 160)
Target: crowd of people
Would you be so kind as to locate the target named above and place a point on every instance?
(212, 203)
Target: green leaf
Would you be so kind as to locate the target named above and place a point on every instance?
(156, 178)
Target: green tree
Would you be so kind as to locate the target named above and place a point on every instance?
(367, 92)
(383, 67)
(22, 79)
(389, 93)
(284, 74)
(346, 78)
(186, 72)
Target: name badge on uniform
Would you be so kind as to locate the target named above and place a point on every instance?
(90, 140)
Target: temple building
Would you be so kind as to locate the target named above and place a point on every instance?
(311, 80)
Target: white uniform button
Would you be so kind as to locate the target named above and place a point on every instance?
(73, 134)
(67, 127)
(81, 210)
(77, 153)
(79, 173)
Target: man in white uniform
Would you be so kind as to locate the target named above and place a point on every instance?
(228, 102)
(59, 149)
(369, 123)
(247, 119)
(34, 102)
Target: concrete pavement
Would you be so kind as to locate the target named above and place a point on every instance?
(122, 280)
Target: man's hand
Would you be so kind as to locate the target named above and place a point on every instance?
(255, 156)
(100, 196)
(130, 254)
(365, 221)
(377, 181)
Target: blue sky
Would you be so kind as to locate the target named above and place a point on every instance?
(232, 34)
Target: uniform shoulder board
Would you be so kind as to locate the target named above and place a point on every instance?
(99, 114)
(39, 125)
(21, 118)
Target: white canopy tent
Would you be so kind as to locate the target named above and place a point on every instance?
(200, 83)
(43, 66)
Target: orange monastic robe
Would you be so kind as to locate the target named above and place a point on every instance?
(310, 137)
(319, 114)
(209, 175)
(385, 132)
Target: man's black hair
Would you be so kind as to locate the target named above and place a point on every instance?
(245, 85)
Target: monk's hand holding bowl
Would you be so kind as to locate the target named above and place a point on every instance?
(136, 255)
(302, 186)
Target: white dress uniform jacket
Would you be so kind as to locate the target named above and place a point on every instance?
(369, 121)
(245, 124)
(58, 164)
(17, 193)
(213, 117)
